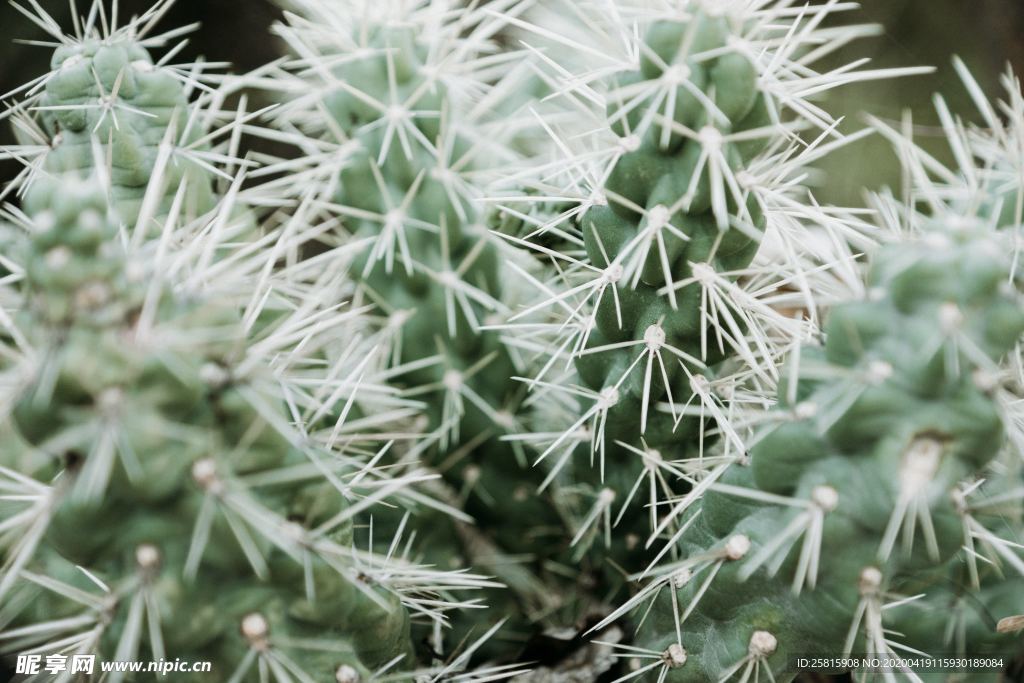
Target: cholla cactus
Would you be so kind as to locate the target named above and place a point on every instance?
(176, 341)
(392, 106)
(387, 103)
(878, 515)
(690, 256)
(156, 123)
(189, 475)
(137, 399)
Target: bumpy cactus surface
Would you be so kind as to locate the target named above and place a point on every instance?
(106, 101)
(652, 225)
(178, 408)
(134, 401)
(878, 514)
(388, 92)
(539, 285)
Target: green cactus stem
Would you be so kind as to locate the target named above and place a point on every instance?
(876, 514)
(155, 453)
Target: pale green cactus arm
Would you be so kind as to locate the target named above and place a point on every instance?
(395, 106)
(176, 493)
(686, 254)
(385, 99)
(153, 441)
(155, 127)
(877, 515)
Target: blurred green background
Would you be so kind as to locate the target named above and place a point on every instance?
(987, 34)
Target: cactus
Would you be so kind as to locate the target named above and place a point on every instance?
(106, 101)
(132, 395)
(384, 98)
(399, 111)
(597, 253)
(688, 254)
(173, 491)
(877, 512)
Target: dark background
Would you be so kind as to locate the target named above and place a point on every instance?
(987, 34)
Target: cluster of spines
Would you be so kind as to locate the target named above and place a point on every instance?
(196, 376)
(155, 126)
(685, 255)
(876, 513)
(401, 108)
(652, 229)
